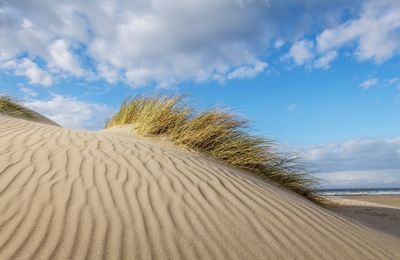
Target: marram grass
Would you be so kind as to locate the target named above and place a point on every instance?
(217, 133)
(11, 108)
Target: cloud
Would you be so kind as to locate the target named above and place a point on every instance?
(324, 61)
(375, 34)
(71, 112)
(369, 83)
(29, 69)
(356, 163)
(61, 58)
(358, 154)
(142, 42)
(279, 43)
(371, 33)
(247, 71)
(361, 179)
(301, 52)
(160, 42)
(172, 41)
(28, 91)
(109, 73)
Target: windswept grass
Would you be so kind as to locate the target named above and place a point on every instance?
(217, 133)
(151, 115)
(11, 108)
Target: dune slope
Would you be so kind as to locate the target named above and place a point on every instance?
(68, 194)
(9, 107)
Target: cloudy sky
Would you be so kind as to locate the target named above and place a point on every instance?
(320, 77)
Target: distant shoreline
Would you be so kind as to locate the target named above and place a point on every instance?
(361, 192)
(356, 195)
(387, 200)
(366, 195)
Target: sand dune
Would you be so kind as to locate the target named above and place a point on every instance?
(67, 194)
(9, 107)
(39, 118)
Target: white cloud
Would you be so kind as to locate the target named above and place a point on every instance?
(28, 91)
(279, 43)
(71, 112)
(172, 41)
(61, 58)
(26, 67)
(159, 42)
(324, 61)
(372, 34)
(109, 73)
(356, 163)
(142, 42)
(369, 83)
(358, 154)
(301, 52)
(375, 33)
(247, 71)
(361, 179)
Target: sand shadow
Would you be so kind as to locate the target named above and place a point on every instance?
(379, 218)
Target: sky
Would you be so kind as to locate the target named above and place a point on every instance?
(321, 78)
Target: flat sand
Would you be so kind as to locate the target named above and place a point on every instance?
(388, 200)
(377, 212)
(67, 194)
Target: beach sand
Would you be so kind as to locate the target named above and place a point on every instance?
(67, 194)
(388, 200)
(378, 212)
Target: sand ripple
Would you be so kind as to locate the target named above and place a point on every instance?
(67, 194)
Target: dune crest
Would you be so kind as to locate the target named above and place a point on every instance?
(67, 194)
(10, 107)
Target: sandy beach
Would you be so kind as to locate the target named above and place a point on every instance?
(67, 194)
(381, 213)
(388, 200)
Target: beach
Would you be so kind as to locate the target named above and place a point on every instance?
(388, 200)
(379, 212)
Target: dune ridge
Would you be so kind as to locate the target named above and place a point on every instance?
(10, 107)
(67, 194)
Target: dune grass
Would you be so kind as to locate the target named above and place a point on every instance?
(11, 108)
(218, 133)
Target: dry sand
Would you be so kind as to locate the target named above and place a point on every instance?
(42, 119)
(377, 212)
(67, 194)
(388, 200)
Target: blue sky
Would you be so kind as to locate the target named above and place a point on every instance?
(321, 78)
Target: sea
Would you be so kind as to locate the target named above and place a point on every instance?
(369, 191)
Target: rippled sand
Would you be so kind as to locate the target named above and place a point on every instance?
(67, 194)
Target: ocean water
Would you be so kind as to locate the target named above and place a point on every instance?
(349, 192)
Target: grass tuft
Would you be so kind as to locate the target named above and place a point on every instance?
(11, 108)
(217, 133)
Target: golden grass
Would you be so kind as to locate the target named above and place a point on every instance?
(11, 108)
(217, 133)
